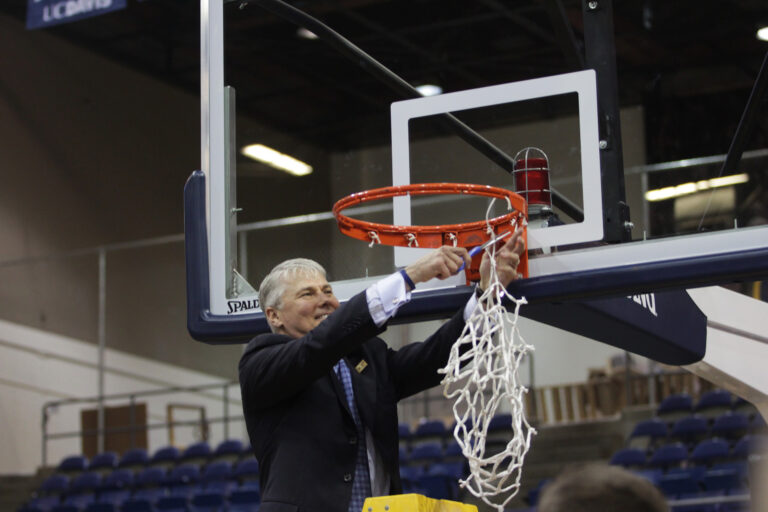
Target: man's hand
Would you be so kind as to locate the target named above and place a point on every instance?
(440, 263)
(507, 260)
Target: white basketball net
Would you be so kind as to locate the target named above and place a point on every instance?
(481, 377)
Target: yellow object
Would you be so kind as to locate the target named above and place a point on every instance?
(414, 503)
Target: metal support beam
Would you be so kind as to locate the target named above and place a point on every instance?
(601, 56)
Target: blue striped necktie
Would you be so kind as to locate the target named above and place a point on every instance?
(361, 485)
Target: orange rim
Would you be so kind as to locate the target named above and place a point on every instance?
(468, 234)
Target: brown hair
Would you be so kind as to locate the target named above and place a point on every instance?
(599, 487)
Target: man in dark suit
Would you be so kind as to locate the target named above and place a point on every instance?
(320, 393)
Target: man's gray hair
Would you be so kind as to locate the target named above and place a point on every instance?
(273, 286)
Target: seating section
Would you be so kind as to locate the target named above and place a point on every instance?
(696, 451)
(196, 479)
(691, 450)
(431, 462)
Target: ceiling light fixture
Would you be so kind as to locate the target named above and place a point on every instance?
(276, 159)
(661, 194)
(762, 33)
(429, 90)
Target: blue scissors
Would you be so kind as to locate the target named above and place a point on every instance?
(475, 250)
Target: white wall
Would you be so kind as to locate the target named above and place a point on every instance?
(38, 367)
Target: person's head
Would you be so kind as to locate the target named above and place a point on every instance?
(600, 487)
(295, 297)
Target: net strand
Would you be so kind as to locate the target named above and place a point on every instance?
(482, 377)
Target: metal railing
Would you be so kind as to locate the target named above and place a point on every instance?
(225, 419)
(596, 398)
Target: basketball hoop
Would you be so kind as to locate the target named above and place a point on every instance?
(468, 234)
(487, 355)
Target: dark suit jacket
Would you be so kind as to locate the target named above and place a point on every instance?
(297, 416)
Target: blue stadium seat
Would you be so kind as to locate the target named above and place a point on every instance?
(181, 480)
(150, 477)
(244, 501)
(453, 453)
(675, 484)
(81, 493)
(72, 465)
(208, 502)
(652, 475)
(714, 403)
(147, 490)
(499, 432)
(690, 429)
(82, 490)
(745, 446)
(434, 429)
(710, 451)
(88, 481)
(411, 473)
(402, 454)
(197, 453)
(228, 450)
(426, 453)
(675, 407)
(118, 479)
(220, 470)
(403, 431)
(101, 507)
(629, 458)
(54, 484)
(217, 478)
(75, 502)
(48, 494)
(113, 497)
(135, 459)
(103, 463)
(454, 470)
(669, 455)
(247, 469)
(137, 506)
(143, 500)
(696, 472)
(66, 507)
(724, 479)
(740, 467)
(500, 422)
(41, 504)
(172, 504)
(165, 457)
(731, 425)
(409, 476)
(648, 434)
(438, 486)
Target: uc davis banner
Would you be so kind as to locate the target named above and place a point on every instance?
(45, 13)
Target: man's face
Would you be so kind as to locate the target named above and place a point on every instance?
(307, 301)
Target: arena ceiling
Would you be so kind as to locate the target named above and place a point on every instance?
(689, 63)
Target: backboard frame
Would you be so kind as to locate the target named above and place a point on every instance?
(583, 83)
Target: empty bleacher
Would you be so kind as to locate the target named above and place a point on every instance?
(197, 479)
